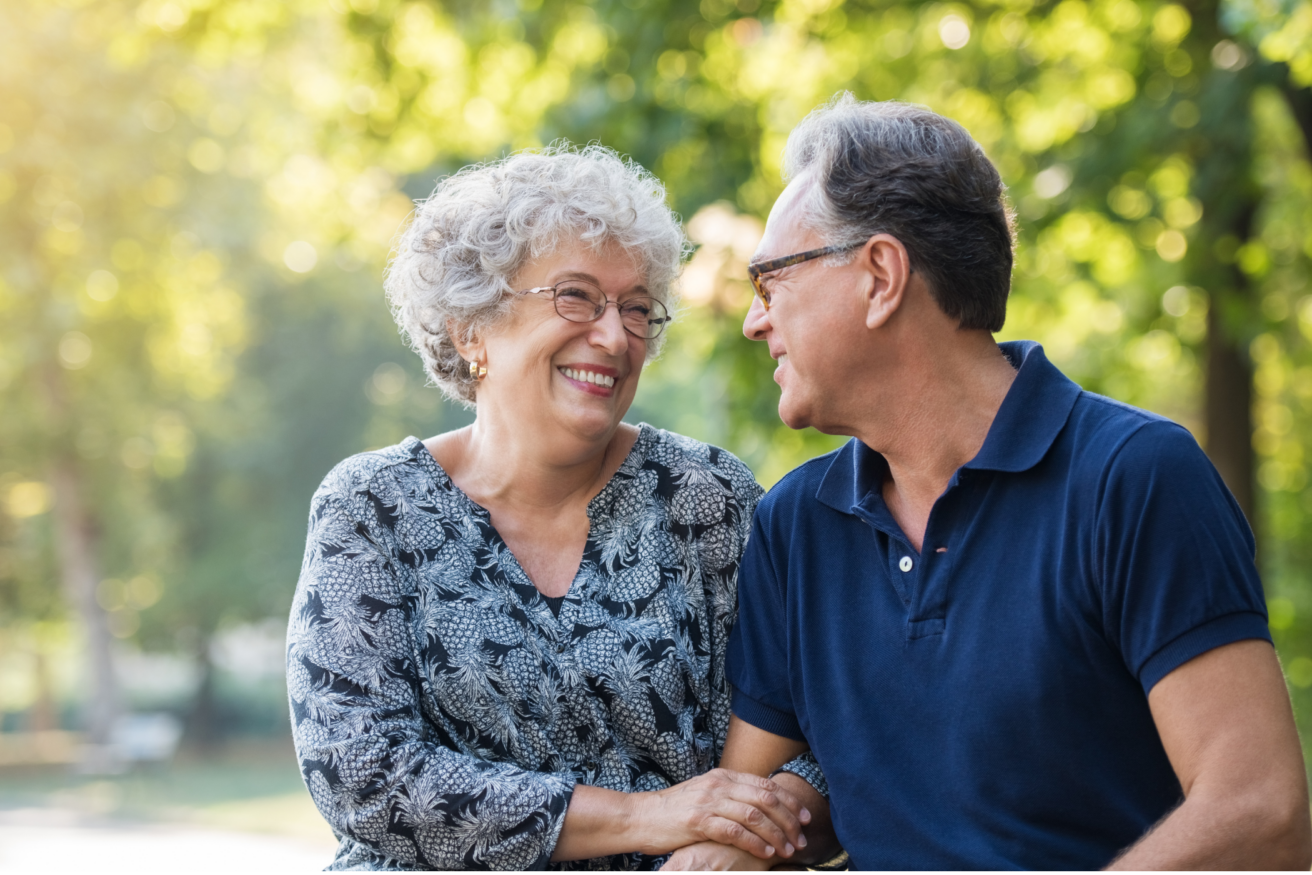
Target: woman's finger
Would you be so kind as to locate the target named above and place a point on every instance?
(759, 822)
(792, 802)
(731, 832)
(789, 799)
(770, 804)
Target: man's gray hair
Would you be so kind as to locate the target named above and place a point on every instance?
(464, 244)
(900, 169)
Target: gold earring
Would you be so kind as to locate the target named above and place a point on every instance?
(476, 371)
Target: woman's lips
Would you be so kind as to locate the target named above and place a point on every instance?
(594, 382)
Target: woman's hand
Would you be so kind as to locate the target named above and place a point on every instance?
(750, 813)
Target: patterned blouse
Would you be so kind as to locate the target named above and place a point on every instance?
(442, 711)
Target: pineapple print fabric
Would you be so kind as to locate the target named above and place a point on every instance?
(443, 714)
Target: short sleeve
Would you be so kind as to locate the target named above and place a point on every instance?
(1175, 556)
(758, 649)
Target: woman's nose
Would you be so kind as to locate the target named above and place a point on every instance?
(608, 330)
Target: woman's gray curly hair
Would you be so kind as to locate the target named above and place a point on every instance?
(455, 260)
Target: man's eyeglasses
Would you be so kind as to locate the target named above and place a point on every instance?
(756, 271)
(581, 301)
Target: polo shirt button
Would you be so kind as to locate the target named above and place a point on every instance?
(905, 564)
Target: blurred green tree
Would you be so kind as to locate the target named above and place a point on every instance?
(118, 323)
(198, 198)
(1157, 154)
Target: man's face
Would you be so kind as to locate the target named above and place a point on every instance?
(815, 322)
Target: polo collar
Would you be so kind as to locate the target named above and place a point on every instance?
(1031, 416)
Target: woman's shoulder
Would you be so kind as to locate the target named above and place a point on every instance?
(684, 455)
(372, 472)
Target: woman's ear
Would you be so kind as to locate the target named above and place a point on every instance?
(469, 343)
(889, 267)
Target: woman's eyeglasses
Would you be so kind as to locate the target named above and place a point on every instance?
(581, 301)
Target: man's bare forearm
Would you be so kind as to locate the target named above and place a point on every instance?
(1226, 723)
(1264, 831)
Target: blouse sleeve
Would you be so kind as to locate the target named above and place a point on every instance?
(806, 767)
(370, 758)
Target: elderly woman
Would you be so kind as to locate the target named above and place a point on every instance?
(507, 644)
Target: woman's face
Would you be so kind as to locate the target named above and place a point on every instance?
(556, 377)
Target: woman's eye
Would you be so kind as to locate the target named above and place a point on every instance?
(637, 310)
(570, 292)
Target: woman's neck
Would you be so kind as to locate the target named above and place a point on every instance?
(494, 463)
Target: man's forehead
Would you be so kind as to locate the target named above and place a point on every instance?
(783, 229)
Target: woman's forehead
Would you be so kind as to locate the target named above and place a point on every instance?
(610, 267)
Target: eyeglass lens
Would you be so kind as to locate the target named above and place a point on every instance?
(580, 301)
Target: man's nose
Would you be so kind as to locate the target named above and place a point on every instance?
(757, 321)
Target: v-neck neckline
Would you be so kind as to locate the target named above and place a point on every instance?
(624, 474)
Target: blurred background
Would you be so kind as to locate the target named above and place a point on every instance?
(197, 200)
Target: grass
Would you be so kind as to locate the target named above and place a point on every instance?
(248, 787)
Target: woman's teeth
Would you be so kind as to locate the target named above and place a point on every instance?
(589, 377)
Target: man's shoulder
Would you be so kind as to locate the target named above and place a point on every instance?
(797, 489)
(1104, 431)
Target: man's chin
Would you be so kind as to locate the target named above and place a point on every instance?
(792, 417)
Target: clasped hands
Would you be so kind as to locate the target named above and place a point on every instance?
(734, 820)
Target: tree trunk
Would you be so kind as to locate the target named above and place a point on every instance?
(1221, 149)
(77, 541)
(203, 730)
(45, 714)
(1299, 101)
(1228, 416)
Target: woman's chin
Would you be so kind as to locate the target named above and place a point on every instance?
(593, 421)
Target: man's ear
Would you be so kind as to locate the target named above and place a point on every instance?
(468, 343)
(889, 267)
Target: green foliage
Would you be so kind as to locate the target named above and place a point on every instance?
(197, 199)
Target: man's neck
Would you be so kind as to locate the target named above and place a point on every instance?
(932, 418)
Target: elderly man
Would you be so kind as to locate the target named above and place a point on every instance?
(1018, 624)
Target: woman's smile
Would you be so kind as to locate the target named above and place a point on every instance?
(594, 379)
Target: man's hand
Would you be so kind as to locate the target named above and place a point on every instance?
(714, 857)
(1225, 721)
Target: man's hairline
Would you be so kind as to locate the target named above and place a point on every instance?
(803, 202)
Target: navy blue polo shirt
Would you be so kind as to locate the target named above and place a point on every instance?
(984, 704)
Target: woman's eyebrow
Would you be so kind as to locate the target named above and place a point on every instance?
(579, 275)
(584, 275)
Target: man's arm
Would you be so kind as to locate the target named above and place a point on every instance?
(1226, 723)
(757, 752)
